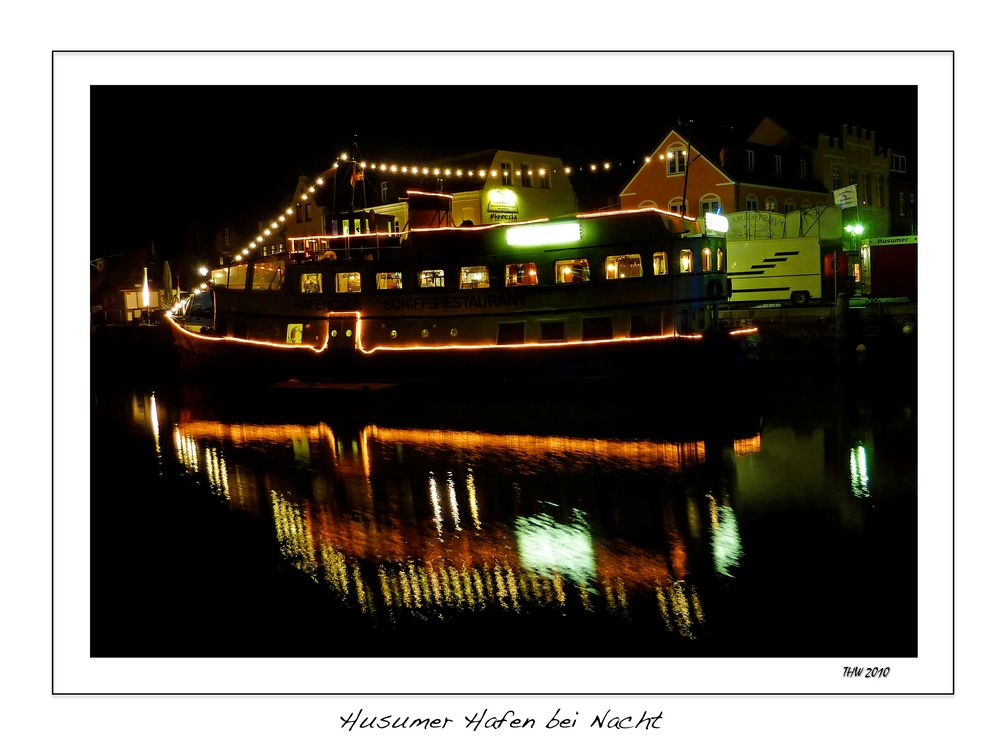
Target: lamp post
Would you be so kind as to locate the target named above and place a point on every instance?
(687, 165)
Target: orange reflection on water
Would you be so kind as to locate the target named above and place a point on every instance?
(534, 448)
(746, 446)
(381, 561)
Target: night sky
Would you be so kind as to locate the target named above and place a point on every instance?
(170, 163)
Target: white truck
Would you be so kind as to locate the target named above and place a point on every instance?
(776, 270)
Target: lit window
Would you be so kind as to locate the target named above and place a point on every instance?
(506, 173)
(661, 263)
(572, 271)
(521, 274)
(431, 278)
(238, 277)
(349, 281)
(474, 277)
(623, 266)
(268, 274)
(311, 283)
(720, 263)
(685, 261)
(389, 280)
(706, 259)
(221, 275)
(770, 203)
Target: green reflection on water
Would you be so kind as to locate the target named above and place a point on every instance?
(547, 546)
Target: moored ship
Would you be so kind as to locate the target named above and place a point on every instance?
(592, 295)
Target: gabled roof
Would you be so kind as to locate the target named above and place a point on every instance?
(672, 136)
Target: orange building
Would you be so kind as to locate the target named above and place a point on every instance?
(766, 171)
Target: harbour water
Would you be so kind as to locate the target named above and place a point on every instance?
(587, 523)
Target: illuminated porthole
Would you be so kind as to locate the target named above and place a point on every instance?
(348, 333)
(454, 332)
(333, 333)
(424, 333)
(393, 333)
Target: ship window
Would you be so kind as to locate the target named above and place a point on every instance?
(268, 274)
(597, 329)
(719, 262)
(389, 280)
(521, 274)
(510, 333)
(644, 325)
(623, 266)
(686, 262)
(238, 276)
(552, 331)
(661, 265)
(572, 271)
(311, 283)
(349, 281)
(220, 275)
(474, 277)
(706, 259)
(431, 278)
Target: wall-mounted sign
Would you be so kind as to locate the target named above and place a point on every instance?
(846, 197)
(907, 240)
(501, 205)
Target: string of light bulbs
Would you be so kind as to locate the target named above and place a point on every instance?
(425, 170)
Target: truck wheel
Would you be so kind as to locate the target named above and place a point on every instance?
(799, 298)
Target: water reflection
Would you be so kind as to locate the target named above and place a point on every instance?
(691, 538)
(859, 472)
(417, 522)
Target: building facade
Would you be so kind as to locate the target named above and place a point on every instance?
(855, 159)
(768, 170)
(487, 187)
